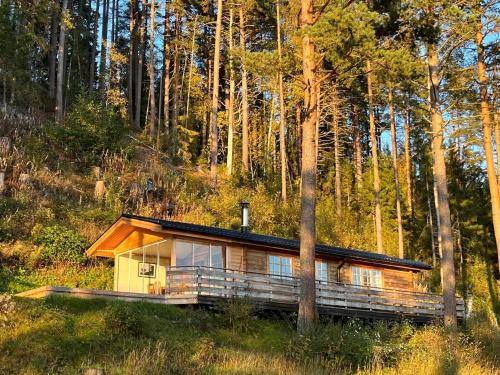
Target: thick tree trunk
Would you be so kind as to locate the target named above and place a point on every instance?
(151, 65)
(244, 98)
(307, 299)
(60, 64)
(336, 141)
(282, 107)
(175, 97)
(358, 163)
(53, 54)
(439, 167)
(488, 137)
(215, 95)
(166, 74)
(374, 148)
(140, 61)
(104, 45)
(93, 53)
(408, 165)
(392, 120)
(132, 60)
(230, 131)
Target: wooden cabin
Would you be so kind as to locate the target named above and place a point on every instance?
(195, 264)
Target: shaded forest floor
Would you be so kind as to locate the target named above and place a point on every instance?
(61, 335)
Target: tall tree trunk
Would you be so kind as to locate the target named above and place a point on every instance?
(190, 74)
(60, 63)
(392, 120)
(215, 95)
(166, 71)
(374, 148)
(93, 53)
(282, 107)
(175, 97)
(140, 61)
(132, 60)
(431, 223)
(336, 141)
(358, 166)
(152, 94)
(244, 97)
(104, 45)
(307, 298)
(447, 261)
(488, 137)
(408, 164)
(230, 131)
(53, 54)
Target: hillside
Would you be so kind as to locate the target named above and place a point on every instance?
(62, 335)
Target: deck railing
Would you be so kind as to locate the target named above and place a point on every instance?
(185, 283)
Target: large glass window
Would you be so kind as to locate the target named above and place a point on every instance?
(322, 271)
(367, 277)
(280, 266)
(198, 254)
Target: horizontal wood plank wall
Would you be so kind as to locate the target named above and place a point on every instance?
(296, 266)
(398, 279)
(236, 258)
(256, 261)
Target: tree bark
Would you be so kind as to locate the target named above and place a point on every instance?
(488, 137)
(392, 120)
(53, 54)
(104, 45)
(132, 59)
(215, 95)
(138, 79)
(175, 97)
(94, 47)
(307, 298)
(166, 72)
(439, 167)
(358, 166)
(408, 164)
(374, 149)
(244, 97)
(230, 131)
(282, 107)
(60, 63)
(336, 141)
(151, 65)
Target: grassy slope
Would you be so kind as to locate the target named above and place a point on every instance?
(61, 335)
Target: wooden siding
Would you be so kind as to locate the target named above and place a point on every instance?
(236, 259)
(397, 279)
(256, 261)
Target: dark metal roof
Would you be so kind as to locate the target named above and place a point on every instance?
(283, 243)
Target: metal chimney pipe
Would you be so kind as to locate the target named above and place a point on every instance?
(245, 216)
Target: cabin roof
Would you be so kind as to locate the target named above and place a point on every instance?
(278, 242)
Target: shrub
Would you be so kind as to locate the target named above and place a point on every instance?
(238, 313)
(58, 244)
(88, 130)
(7, 307)
(124, 320)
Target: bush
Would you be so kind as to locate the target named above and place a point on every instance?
(89, 130)
(124, 320)
(237, 313)
(7, 307)
(58, 244)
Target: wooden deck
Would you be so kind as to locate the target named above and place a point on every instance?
(208, 286)
(201, 285)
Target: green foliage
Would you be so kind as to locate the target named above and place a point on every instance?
(237, 313)
(59, 244)
(124, 320)
(89, 129)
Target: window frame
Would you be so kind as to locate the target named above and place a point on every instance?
(281, 266)
(210, 245)
(316, 268)
(365, 277)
